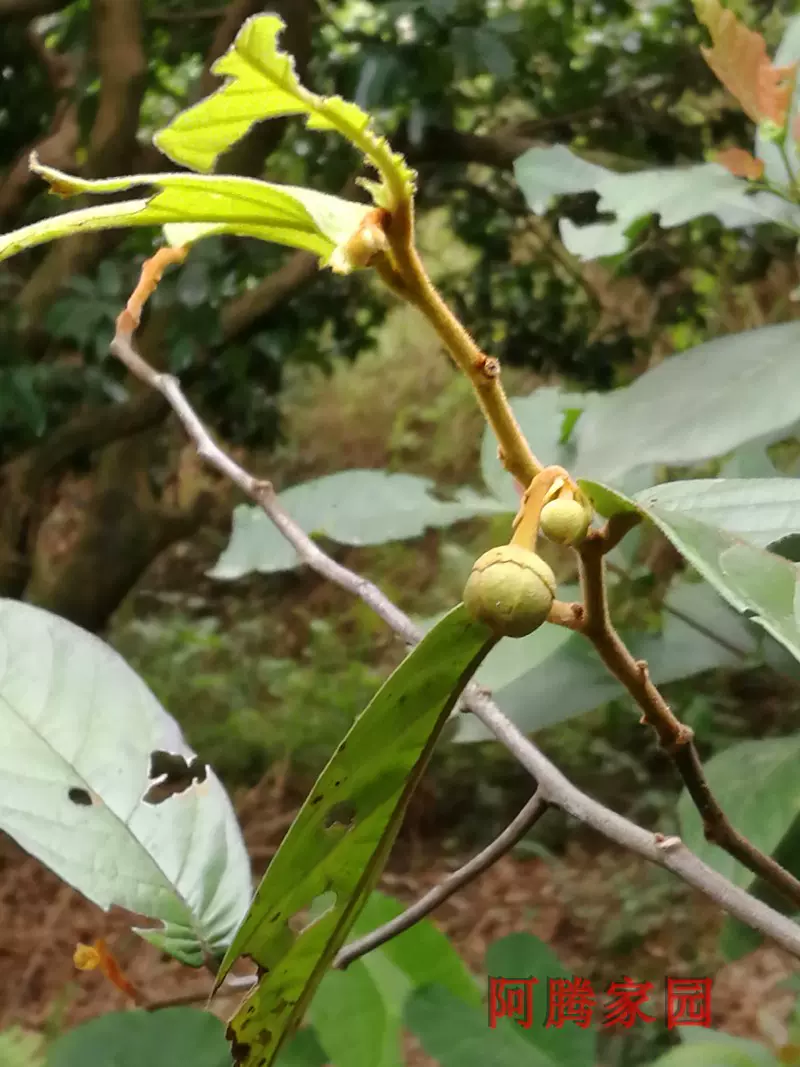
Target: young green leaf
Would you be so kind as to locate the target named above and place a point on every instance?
(192, 206)
(262, 84)
(97, 782)
(341, 838)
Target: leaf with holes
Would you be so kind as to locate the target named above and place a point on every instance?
(340, 840)
(262, 84)
(193, 206)
(97, 782)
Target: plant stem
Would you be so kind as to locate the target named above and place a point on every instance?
(676, 739)
(408, 278)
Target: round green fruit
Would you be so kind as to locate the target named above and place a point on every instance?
(511, 590)
(566, 522)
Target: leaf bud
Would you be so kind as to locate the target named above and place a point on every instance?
(511, 590)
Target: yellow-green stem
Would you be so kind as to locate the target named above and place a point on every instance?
(408, 277)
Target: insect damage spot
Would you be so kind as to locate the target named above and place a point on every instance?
(81, 797)
(171, 774)
(340, 815)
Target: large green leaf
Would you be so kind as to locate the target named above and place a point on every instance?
(133, 1038)
(262, 84)
(192, 206)
(358, 1016)
(456, 1034)
(340, 839)
(758, 787)
(695, 406)
(565, 678)
(356, 507)
(523, 955)
(676, 195)
(358, 1012)
(79, 732)
(761, 510)
(757, 583)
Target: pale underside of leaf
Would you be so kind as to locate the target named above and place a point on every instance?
(262, 84)
(78, 729)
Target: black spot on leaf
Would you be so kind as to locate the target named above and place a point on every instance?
(81, 797)
(171, 774)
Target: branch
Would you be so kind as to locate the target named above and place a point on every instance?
(503, 843)
(675, 738)
(29, 9)
(552, 786)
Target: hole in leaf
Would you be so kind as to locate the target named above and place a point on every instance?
(171, 774)
(341, 815)
(81, 797)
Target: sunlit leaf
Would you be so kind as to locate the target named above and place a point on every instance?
(192, 206)
(340, 840)
(738, 57)
(775, 160)
(262, 84)
(97, 782)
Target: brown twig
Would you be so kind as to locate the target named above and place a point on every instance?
(676, 739)
(552, 786)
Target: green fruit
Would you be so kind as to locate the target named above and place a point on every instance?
(566, 522)
(511, 590)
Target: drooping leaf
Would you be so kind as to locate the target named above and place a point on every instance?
(526, 956)
(342, 835)
(738, 57)
(456, 1034)
(133, 1038)
(82, 735)
(756, 784)
(757, 583)
(571, 680)
(761, 510)
(695, 406)
(356, 507)
(676, 195)
(262, 84)
(192, 206)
